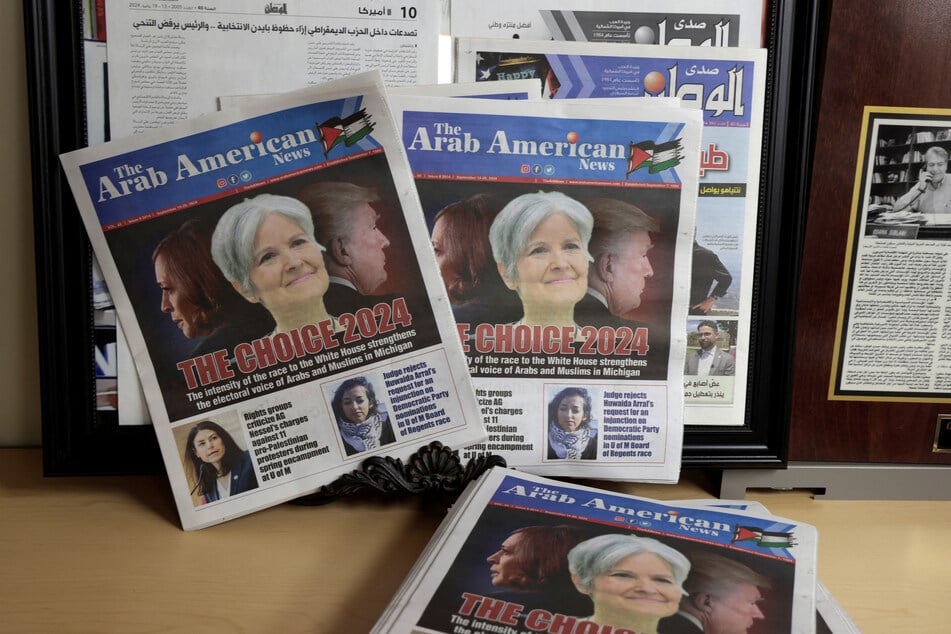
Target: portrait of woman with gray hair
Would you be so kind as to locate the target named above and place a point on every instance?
(265, 247)
(540, 245)
(632, 581)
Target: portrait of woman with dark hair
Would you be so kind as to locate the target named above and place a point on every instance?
(198, 298)
(363, 424)
(571, 430)
(215, 463)
(531, 568)
(460, 239)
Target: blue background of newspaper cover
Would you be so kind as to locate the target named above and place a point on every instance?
(478, 127)
(643, 515)
(148, 196)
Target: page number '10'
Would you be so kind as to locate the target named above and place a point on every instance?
(409, 12)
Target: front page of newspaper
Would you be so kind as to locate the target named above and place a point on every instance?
(272, 271)
(728, 85)
(527, 202)
(892, 336)
(665, 22)
(578, 546)
(169, 61)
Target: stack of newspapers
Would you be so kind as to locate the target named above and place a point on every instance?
(268, 374)
(522, 553)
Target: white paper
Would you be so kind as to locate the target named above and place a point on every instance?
(666, 22)
(170, 60)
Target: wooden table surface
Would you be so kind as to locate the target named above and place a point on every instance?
(107, 554)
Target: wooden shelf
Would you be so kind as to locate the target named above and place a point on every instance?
(106, 554)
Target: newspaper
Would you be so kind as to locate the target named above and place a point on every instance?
(729, 85)
(189, 38)
(461, 584)
(892, 331)
(668, 22)
(831, 617)
(169, 61)
(271, 361)
(536, 350)
(518, 89)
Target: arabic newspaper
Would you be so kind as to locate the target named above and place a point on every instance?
(893, 324)
(459, 581)
(565, 387)
(303, 370)
(728, 84)
(669, 22)
(166, 58)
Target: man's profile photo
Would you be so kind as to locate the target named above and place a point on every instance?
(346, 223)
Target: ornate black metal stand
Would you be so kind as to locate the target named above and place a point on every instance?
(433, 469)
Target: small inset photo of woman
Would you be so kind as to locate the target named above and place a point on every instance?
(216, 464)
(572, 428)
(361, 417)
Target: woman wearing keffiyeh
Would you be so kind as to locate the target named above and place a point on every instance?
(362, 425)
(571, 434)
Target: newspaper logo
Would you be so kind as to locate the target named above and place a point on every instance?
(765, 539)
(656, 157)
(348, 131)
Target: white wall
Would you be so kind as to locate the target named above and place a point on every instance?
(19, 366)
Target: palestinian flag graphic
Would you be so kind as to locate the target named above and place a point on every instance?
(766, 539)
(656, 157)
(348, 131)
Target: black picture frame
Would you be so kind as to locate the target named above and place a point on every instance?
(78, 439)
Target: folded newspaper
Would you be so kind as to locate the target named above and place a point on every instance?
(563, 232)
(519, 553)
(272, 270)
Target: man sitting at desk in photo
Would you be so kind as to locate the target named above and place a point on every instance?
(931, 195)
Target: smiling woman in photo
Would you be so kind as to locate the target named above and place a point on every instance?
(632, 581)
(540, 245)
(266, 248)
